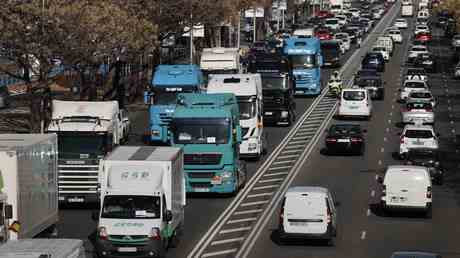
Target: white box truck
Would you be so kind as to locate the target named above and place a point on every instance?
(336, 6)
(142, 201)
(407, 10)
(220, 61)
(29, 194)
(87, 131)
(39, 248)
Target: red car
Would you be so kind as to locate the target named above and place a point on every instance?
(324, 14)
(423, 37)
(323, 34)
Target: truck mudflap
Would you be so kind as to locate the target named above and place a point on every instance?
(116, 249)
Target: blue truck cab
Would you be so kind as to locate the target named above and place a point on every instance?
(167, 82)
(306, 60)
(207, 127)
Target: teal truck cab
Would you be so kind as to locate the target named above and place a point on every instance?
(207, 127)
(167, 82)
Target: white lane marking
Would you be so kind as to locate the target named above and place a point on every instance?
(380, 162)
(225, 231)
(392, 106)
(376, 177)
(297, 143)
(260, 195)
(226, 241)
(283, 162)
(265, 187)
(372, 193)
(241, 220)
(279, 168)
(391, 113)
(384, 139)
(452, 122)
(368, 212)
(291, 151)
(389, 121)
(276, 174)
(300, 137)
(271, 180)
(453, 131)
(228, 251)
(288, 156)
(388, 130)
(248, 212)
(382, 149)
(245, 204)
(363, 235)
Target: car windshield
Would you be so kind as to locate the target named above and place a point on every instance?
(131, 207)
(395, 32)
(332, 22)
(419, 49)
(416, 85)
(167, 95)
(247, 106)
(201, 131)
(354, 95)
(421, 95)
(423, 134)
(379, 49)
(345, 130)
(303, 61)
(272, 83)
(416, 72)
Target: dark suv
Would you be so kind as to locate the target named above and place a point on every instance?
(429, 158)
(373, 60)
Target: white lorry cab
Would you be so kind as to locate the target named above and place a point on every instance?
(142, 199)
(28, 182)
(87, 131)
(406, 187)
(220, 61)
(248, 90)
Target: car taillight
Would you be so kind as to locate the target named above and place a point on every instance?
(428, 110)
(103, 233)
(404, 110)
(384, 190)
(402, 139)
(155, 234)
(428, 192)
(281, 217)
(331, 140)
(356, 140)
(329, 218)
(409, 163)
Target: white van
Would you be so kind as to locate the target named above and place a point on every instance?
(308, 212)
(248, 91)
(406, 187)
(355, 101)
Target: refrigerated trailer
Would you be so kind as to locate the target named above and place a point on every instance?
(29, 193)
(43, 248)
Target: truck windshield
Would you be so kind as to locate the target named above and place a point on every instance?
(201, 131)
(247, 106)
(274, 83)
(303, 61)
(131, 207)
(75, 146)
(167, 96)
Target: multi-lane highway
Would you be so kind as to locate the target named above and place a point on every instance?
(362, 231)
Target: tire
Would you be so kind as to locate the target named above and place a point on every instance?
(175, 239)
(330, 242)
(429, 213)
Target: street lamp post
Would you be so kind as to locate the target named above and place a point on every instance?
(191, 32)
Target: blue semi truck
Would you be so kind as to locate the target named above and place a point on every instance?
(306, 60)
(167, 82)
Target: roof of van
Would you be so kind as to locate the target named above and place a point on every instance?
(398, 169)
(296, 190)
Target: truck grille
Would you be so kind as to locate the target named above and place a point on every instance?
(165, 119)
(202, 159)
(200, 184)
(126, 238)
(201, 174)
(78, 179)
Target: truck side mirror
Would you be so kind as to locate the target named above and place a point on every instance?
(8, 211)
(168, 216)
(95, 215)
(148, 97)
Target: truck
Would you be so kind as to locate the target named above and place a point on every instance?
(43, 248)
(306, 59)
(87, 131)
(28, 182)
(386, 42)
(277, 87)
(407, 10)
(336, 6)
(248, 91)
(220, 60)
(142, 199)
(167, 82)
(207, 127)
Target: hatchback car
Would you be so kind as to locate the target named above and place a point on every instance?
(417, 112)
(424, 36)
(345, 38)
(424, 95)
(345, 138)
(308, 212)
(406, 188)
(428, 158)
(323, 34)
(401, 23)
(373, 60)
(355, 102)
(416, 136)
(415, 51)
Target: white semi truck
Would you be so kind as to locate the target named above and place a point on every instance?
(142, 201)
(43, 248)
(87, 131)
(220, 61)
(28, 182)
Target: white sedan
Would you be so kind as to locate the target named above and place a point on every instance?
(410, 86)
(416, 136)
(415, 51)
(401, 24)
(396, 35)
(421, 28)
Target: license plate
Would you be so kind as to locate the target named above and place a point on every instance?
(343, 140)
(327, 64)
(127, 249)
(419, 143)
(216, 181)
(299, 91)
(76, 199)
(269, 113)
(298, 223)
(201, 190)
(354, 107)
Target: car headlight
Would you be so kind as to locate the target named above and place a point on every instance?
(284, 114)
(436, 164)
(226, 174)
(155, 132)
